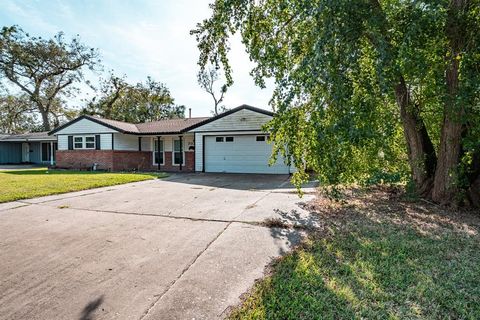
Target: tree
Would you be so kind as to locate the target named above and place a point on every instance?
(16, 114)
(351, 75)
(43, 69)
(207, 79)
(142, 102)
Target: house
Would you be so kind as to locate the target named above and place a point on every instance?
(37, 147)
(230, 142)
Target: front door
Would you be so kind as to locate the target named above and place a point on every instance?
(25, 152)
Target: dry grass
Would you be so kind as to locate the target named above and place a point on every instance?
(376, 255)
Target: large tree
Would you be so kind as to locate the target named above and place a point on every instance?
(116, 99)
(43, 69)
(352, 76)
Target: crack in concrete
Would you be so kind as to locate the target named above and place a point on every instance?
(152, 306)
(167, 216)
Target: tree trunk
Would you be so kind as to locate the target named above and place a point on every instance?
(45, 120)
(446, 175)
(421, 153)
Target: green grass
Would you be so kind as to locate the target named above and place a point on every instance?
(376, 258)
(24, 184)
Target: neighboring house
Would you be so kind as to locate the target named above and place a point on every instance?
(230, 142)
(37, 147)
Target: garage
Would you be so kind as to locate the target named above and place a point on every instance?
(235, 142)
(241, 154)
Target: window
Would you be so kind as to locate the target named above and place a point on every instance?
(177, 152)
(260, 138)
(158, 156)
(89, 142)
(78, 142)
(226, 139)
(81, 142)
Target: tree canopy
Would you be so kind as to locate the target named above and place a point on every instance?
(365, 89)
(44, 69)
(118, 100)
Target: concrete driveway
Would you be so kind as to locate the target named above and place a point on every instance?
(181, 248)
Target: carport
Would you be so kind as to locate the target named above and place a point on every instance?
(37, 148)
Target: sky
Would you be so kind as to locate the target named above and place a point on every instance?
(140, 39)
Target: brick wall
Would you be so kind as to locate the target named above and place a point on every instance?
(132, 160)
(84, 159)
(117, 160)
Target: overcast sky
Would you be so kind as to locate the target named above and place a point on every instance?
(140, 39)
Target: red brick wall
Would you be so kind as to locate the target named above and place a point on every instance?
(117, 160)
(84, 159)
(132, 160)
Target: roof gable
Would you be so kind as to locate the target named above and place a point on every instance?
(243, 117)
(86, 124)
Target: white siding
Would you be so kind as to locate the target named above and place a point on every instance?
(105, 141)
(146, 144)
(198, 152)
(85, 126)
(125, 142)
(62, 142)
(243, 119)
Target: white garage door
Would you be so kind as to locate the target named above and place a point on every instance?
(241, 154)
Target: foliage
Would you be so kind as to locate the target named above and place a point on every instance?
(355, 78)
(44, 69)
(376, 259)
(142, 102)
(15, 114)
(207, 79)
(24, 184)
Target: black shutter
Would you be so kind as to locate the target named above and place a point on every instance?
(97, 142)
(70, 142)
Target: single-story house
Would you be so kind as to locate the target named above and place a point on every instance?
(36, 147)
(230, 142)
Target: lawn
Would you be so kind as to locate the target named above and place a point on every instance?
(24, 184)
(377, 256)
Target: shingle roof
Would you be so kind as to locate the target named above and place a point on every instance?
(157, 127)
(124, 126)
(31, 136)
(168, 126)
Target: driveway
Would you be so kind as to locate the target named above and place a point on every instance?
(180, 248)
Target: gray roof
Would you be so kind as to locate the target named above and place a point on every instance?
(168, 126)
(31, 136)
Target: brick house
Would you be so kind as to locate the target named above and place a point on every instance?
(230, 142)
